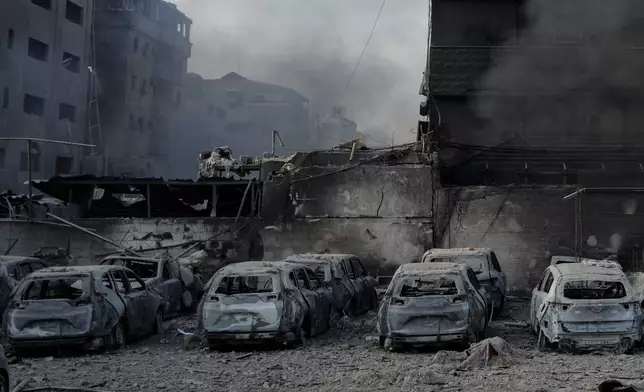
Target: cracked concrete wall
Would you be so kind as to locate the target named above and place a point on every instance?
(383, 244)
(524, 226)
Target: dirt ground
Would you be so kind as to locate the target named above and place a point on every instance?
(341, 360)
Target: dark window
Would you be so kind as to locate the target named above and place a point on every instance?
(594, 289)
(46, 4)
(38, 49)
(71, 62)
(144, 84)
(291, 278)
(136, 284)
(119, 280)
(146, 49)
(3, 154)
(132, 123)
(133, 83)
(473, 279)
(313, 279)
(302, 281)
(74, 13)
(548, 283)
(67, 112)
(349, 268)
(64, 165)
(247, 284)
(495, 262)
(33, 105)
(140, 123)
(359, 268)
(136, 45)
(10, 35)
(5, 98)
(24, 269)
(107, 282)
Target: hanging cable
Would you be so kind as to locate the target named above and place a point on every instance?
(364, 49)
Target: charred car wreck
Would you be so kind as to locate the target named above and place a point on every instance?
(12, 270)
(89, 307)
(177, 285)
(429, 303)
(352, 286)
(585, 306)
(258, 301)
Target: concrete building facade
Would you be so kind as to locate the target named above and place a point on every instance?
(142, 51)
(44, 47)
(242, 114)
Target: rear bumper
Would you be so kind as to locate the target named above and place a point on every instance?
(85, 343)
(250, 337)
(428, 339)
(590, 341)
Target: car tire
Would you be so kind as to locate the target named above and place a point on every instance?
(381, 341)
(374, 301)
(117, 337)
(4, 382)
(158, 323)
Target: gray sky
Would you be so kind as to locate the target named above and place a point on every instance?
(313, 46)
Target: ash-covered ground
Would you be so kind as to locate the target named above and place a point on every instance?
(341, 360)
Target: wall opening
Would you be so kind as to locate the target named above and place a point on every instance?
(3, 154)
(46, 4)
(38, 49)
(74, 13)
(64, 165)
(67, 112)
(33, 105)
(10, 36)
(71, 62)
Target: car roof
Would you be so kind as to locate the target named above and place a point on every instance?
(320, 257)
(460, 251)
(431, 268)
(570, 259)
(95, 270)
(259, 267)
(590, 268)
(16, 259)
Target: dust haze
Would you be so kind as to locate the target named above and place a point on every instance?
(576, 66)
(313, 47)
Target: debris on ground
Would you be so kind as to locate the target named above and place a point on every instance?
(491, 352)
(617, 386)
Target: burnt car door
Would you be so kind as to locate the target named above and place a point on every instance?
(311, 298)
(170, 287)
(540, 298)
(359, 285)
(144, 301)
(342, 283)
(325, 300)
(133, 305)
(478, 299)
(499, 279)
(369, 285)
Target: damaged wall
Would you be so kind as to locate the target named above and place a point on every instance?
(525, 226)
(135, 234)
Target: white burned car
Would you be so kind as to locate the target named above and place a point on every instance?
(429, 303)
(585, 306)
(259, 301)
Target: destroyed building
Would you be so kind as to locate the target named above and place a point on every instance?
(44, 59)
(239, 113)
(142, 50)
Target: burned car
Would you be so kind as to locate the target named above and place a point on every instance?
(179, 287)
(89, 307)
(259, 301)
(354, 289)
(12, 270)
(430, 303)
(585, 306)
(485, 265)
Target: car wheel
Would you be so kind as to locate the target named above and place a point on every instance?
(374, 300)
(158, 323)
(381, 341)
(4, 382)
(117, 337)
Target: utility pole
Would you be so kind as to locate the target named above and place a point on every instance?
(30, 141)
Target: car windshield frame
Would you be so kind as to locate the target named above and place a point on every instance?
(215, 288)
(461, 258)
(127, 263)
(27, 285)
(443, 279)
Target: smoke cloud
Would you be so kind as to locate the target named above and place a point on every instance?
(313, 47)
(571, 76)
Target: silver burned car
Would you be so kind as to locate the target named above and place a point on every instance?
(485, 265)
(90, 307)
(585, 306)
(429, 303)
(258, 301)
